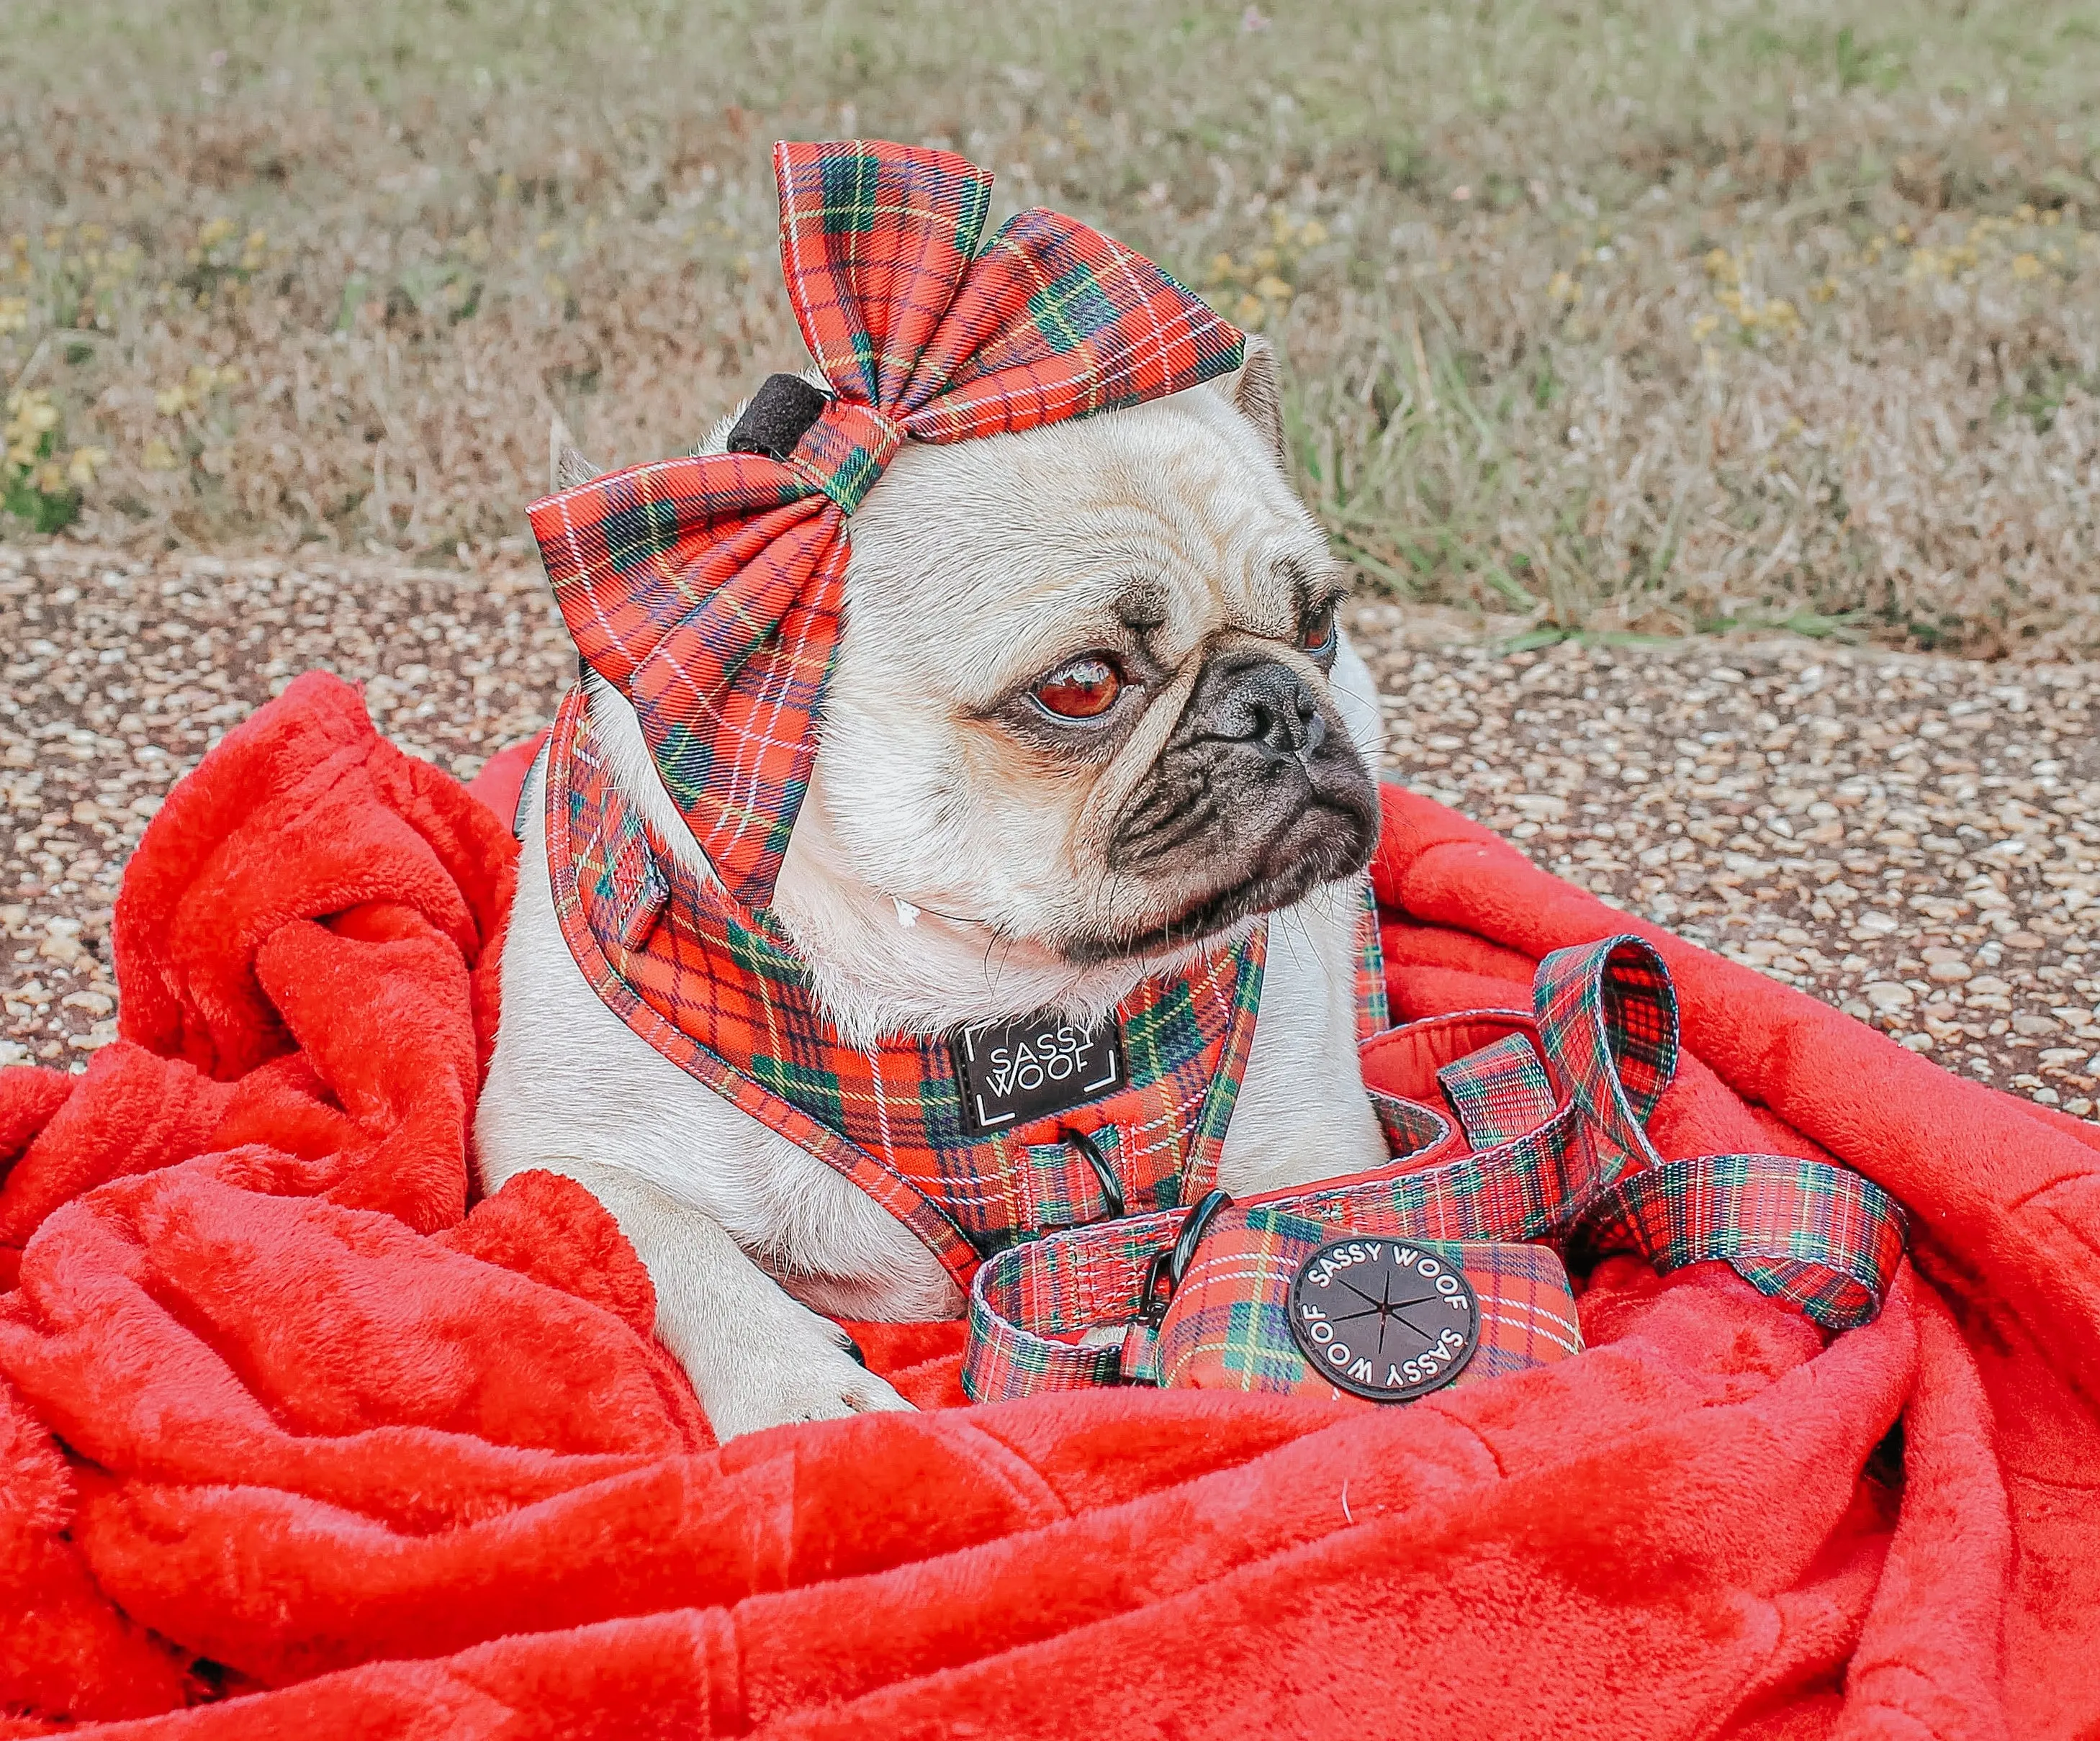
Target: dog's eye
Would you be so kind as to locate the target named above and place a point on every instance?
(1081, 689)
(1317, 637)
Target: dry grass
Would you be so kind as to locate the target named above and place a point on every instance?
(1641, 317)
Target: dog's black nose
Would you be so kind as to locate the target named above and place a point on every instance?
(1262, 702)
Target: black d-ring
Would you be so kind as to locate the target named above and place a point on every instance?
(1104, 1175)
(1171, 1264)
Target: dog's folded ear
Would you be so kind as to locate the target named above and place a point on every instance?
(1254, 387)
(566, 465)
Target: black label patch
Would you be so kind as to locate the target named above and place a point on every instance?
(1012, 1073)
(1383, 1320)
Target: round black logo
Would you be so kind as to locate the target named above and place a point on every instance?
(1383, 1320)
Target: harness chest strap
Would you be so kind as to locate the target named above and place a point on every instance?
(1556, 1106)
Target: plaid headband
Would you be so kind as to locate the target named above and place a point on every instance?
(707, 590)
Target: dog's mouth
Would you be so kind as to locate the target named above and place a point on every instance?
(1333, 837)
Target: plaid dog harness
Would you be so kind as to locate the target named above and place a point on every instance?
(1542, 1138)
(722, 994)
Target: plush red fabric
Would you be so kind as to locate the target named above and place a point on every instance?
(293, 1444)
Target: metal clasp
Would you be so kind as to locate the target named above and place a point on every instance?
(1104, 1175)
(1171, 1263)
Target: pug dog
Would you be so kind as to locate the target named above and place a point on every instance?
(966, 854)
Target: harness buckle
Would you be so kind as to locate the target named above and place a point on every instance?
(1171, 1263)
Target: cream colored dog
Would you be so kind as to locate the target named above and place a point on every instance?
(1092, 716)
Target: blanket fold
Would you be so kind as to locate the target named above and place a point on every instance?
(292, 1443)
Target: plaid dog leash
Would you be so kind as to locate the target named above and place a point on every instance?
(1553, 1108)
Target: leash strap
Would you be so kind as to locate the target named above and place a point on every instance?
(1555, 1106)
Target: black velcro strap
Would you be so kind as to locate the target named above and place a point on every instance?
(778, 415)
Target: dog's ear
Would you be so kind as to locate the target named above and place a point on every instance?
(1254, 387)
(566, 465)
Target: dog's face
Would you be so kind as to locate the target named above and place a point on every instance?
(1083, 697)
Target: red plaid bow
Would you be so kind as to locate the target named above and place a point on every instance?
(707, 590)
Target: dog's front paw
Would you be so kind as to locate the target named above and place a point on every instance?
(794, 1372)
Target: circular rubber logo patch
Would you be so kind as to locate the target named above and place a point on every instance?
(1383, 1320)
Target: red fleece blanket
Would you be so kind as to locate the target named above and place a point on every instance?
(293, 1444)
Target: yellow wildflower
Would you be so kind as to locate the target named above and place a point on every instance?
(158, 455)
(1563, 288)
(14, 313)
(1703, 328)
(1249, 309)
(1265, 259)
(1823, 291)
(1721, 266)
(1274, 288)
(218, 230)
(49, 478)
(2026, 265)
(169, 401)
(32, 410)
(1314, 233)
(80, 468)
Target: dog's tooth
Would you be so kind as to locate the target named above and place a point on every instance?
(906, 913)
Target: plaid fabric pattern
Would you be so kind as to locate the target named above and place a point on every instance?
(1029, 1302)
(1374, 1014)
(722, 994)
(1229, 1325)
(1410, 1129)
(707, 590)
(1063, 1188)
(1820, 1237)
(1607, 1018)
(1498, 1092)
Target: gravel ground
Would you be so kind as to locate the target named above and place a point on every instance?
(1916, 840)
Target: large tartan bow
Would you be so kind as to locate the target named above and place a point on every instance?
(707, 590)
